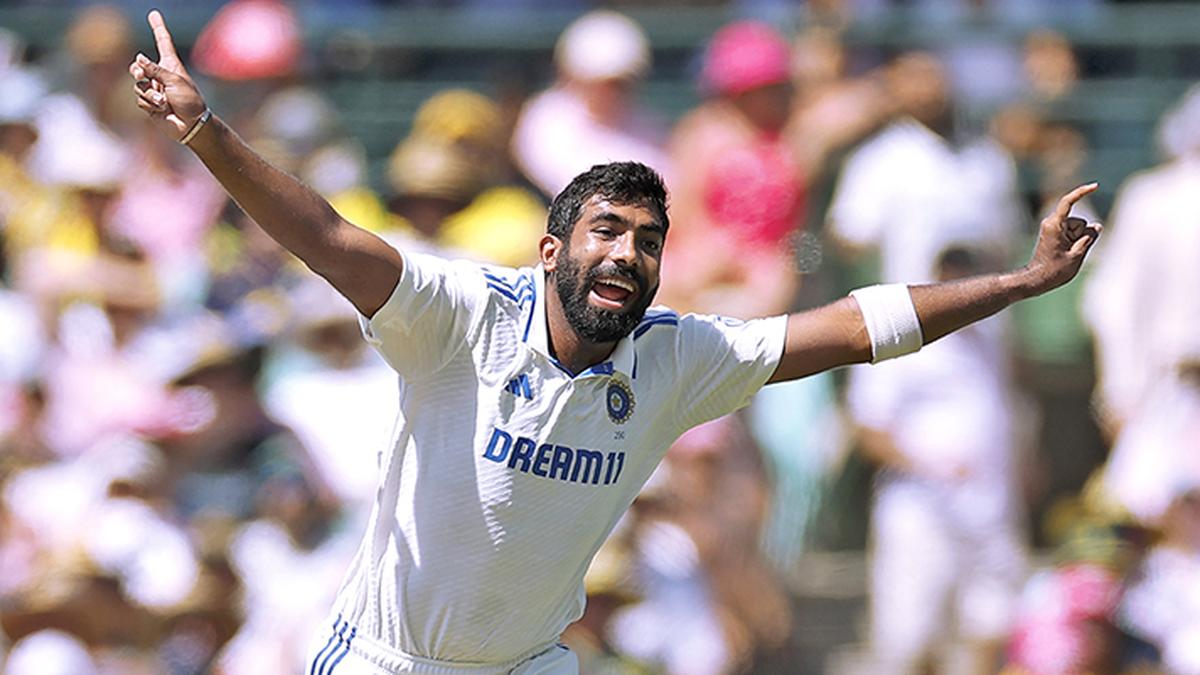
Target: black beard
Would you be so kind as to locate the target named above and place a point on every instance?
(588, 321)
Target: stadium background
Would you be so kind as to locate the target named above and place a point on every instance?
(374, 64)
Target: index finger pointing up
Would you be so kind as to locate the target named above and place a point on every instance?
(162, 39)
(1063, 209)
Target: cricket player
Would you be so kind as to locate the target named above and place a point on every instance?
(534, 403)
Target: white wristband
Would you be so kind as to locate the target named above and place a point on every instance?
(891, 320)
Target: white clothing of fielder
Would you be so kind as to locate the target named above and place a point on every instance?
(942, 545)
(911, 194)
(506, 473)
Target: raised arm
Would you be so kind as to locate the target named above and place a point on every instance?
(358, 264)
(837, 334)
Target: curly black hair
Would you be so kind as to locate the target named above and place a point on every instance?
(620, 182)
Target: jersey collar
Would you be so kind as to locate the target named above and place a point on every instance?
(621, 360)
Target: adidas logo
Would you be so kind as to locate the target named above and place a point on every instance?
(519, 386)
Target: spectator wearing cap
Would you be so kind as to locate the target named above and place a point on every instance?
(223, 51)
(21, 93)
(589, 115)
(21, 90)
(98, 43)
(737, 181)
(447, 178)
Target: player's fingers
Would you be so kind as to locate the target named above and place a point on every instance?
(1074, 226)
(162, 37)
(151, 96)
(148, 67)
(149, 107)
(136, 71)
(155, 109)
(1090, 234)
(154, 71)
(1063, 209)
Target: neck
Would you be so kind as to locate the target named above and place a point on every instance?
(571, 350)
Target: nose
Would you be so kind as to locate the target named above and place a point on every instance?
(624, 249)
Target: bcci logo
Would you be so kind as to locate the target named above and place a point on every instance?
(620, 401)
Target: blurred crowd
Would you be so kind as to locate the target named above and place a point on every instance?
(190, 420)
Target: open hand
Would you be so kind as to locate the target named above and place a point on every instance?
(1063, 242)
(164, 89)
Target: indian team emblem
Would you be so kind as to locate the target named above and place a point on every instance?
(620, 401)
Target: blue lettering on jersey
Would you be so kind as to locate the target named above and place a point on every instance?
(549, 460)
(498, 446)
(522, 453)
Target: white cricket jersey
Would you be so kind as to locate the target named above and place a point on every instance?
(506, 472)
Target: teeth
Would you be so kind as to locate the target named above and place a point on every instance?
(619, 283)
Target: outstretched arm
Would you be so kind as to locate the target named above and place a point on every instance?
(358, 264)
(836, 334)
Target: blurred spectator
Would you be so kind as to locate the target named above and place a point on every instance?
(1051, 70)
(98, 383)
(249, 40)
(722, 499)
(832, 110)
(1141, 302)
(610, 586)
(739, 193)
(98, 43)
(589, 116)
(297, 127)
(445, 177)
(225, 455)
(1162, 604)
(253, 49)
(699, 564)
(333, 391)
(166, 208)
(1157, 448)
(947, 550)
(76, 168)
(243, 262)
(113, 566)
(1050, 153)
(917, 186)
(21, 92)
(1065, 621)
(675, 590)
(50, 652)
(73, 124)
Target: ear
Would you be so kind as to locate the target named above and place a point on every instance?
(548, 249)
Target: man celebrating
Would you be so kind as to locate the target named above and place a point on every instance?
(536, 402)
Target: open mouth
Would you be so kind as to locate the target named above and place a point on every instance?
(612, 293)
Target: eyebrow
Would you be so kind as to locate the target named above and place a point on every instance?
(610, 217)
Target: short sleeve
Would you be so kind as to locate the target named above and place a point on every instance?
(429, 316)
(725, 362)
